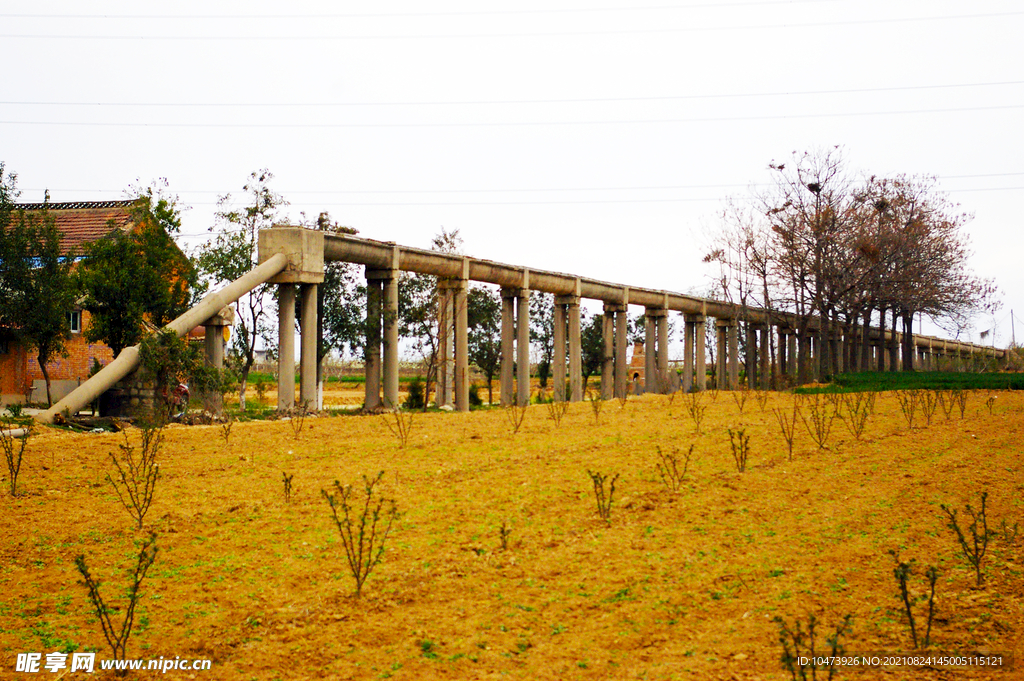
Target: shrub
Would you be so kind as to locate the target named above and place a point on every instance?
(668, 467)
(416, 397)
(474, 396)
(557, 411)
(516, 414)
(787, 424)
(137, 472)
(820, 425)
(909, 401)
(857, 407)
(902, 573)
(117, 639)
(603, 496)
(287, 479)
(13, 454)
(740, 397)
(973, 549)
(740, 443)
(696, 408)
(364, 526)
(400, 424)
(798, 650)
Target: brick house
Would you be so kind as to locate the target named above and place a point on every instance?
(79, 223)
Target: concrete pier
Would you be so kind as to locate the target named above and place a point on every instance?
(307, 351)
(523, 342)
(285, 346)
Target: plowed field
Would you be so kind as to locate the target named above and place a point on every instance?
(677, 584)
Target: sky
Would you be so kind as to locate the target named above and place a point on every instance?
(600, 138)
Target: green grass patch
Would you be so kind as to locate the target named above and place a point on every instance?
(918, 380)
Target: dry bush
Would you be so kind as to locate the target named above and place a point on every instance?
(696, 408)
(399, 423)
(799, 654)
(740, 397)
(516, 414)
(364, 525)
(557, 410)
(973, 547)
(596, 403)
(740, 444)
(13, 454)
(603, 496)
(909, 401)
(787, 424)
(117, 639)
(820, 424)
(668, 467)
(137, 472)
(857, 408)
(929, 400)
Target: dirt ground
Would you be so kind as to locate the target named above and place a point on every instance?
(677, 585)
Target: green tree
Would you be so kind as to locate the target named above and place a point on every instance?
(133, 277)
(542, 329)
(232, 253)
(341, 301)
(484, 315)
(37, 288)
(417, 309)
(591, 344)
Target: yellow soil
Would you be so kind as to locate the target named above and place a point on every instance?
(678, 585)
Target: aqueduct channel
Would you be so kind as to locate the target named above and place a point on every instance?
(293, 259)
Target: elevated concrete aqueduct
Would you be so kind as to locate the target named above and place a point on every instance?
(294, 257)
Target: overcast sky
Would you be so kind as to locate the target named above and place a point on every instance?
(596, 137)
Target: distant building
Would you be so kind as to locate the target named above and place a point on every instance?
(21, 379)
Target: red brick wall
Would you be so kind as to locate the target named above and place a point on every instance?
(78, 362)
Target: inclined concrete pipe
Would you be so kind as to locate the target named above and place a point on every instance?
(128, 360)
(388, 255)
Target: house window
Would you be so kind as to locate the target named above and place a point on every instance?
(75, 320)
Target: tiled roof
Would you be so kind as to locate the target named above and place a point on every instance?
(83, 221)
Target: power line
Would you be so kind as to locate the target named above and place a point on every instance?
(534, 34)
(585, 100)
(335, 192)
(706, 5)
(709, 119)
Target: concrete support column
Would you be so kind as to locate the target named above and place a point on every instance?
(650, 353)
(621, 341)
(608, 359)
(213, 342)
(667, 386)
(307, 351)
(700, 374)
(783, 356)
(751, 356)
(722, 345)
(575, 351)
(523, 347)
(558, 355)
(508, 341)
(792, 354)
(390, 365)
(688, 339)
(374, 290)
(460, 310)
(732, 331)
(285, 346)
(445, 344)
(764, 357)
